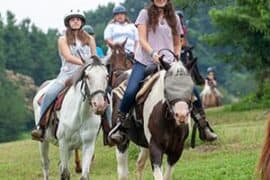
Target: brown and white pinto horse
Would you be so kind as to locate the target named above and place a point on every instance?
(158, 125)
(263, 167)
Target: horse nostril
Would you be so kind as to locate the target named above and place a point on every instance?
(176, 115)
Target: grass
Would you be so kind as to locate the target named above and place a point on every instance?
(232, 157)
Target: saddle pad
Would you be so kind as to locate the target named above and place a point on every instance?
(149, 82)
(119, 90)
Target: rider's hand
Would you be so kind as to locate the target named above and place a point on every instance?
(156, 57)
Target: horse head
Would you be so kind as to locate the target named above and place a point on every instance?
(178, 86)
(94, 78)
(119, 61)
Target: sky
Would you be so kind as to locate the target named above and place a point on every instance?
(48, 13)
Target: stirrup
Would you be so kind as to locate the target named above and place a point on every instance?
(114, 129)
(37, 135)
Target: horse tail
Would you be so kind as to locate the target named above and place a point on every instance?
(263, 167)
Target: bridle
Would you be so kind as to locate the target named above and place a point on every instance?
(87, 93)
(118, 70)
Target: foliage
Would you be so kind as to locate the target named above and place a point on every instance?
(252, 101)
(13, 112)
(244, 32)
(28, 50)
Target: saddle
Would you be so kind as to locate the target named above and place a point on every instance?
(142, 93)
(51, 111)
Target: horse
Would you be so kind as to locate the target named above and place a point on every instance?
(159, 124)
(263, 166)
(79, 119)
(210, 95)
(117, 62)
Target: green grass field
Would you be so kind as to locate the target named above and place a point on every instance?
(232, 157)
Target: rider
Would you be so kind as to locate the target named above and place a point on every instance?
(120, 28)
(198, 114)
(159, 28)
(90, 30)
(74, 48)
(211, 81)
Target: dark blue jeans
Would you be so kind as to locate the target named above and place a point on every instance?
(134, 83)
(198, 103)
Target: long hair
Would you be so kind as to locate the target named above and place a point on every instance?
(263, 167)
(169, 15)
(81, 35)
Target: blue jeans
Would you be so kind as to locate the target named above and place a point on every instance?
(134, 83)
(198, 102)
(50, 96)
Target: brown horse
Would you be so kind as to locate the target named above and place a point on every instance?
(263, 167)
(159, 124)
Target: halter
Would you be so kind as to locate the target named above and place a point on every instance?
(88, 94)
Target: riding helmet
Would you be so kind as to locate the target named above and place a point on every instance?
(89, 29)
(211, 69)
(74, 13)
(119, 9)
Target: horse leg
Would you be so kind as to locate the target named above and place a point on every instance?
(87, 154)
(44, 151)
(78, 167)
(171, 160)
(64, 159)
(156, 160)
(144, 154)
(122, 163)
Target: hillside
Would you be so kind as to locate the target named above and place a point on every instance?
(25, 84)
(232, 157)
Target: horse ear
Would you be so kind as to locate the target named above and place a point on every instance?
(189, 65)
(124, 43)
(164, 64)
(110, 44)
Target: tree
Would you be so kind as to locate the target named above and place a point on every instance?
(244, 32)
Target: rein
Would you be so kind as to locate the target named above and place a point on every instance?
(87, 91)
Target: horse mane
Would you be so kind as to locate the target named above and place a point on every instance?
(78, 75)
(263, 167)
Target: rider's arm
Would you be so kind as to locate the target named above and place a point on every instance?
(142, 29)
(108, 33)
(65, 52)
(177, 45)
(93, 46)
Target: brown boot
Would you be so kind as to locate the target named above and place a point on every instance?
(38, 134)
(206, 133)
(116, 134)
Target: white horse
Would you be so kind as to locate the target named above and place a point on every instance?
(79, 119)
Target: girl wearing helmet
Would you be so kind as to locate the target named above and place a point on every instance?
(120, 28)
(159, 28)
(75, 48)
